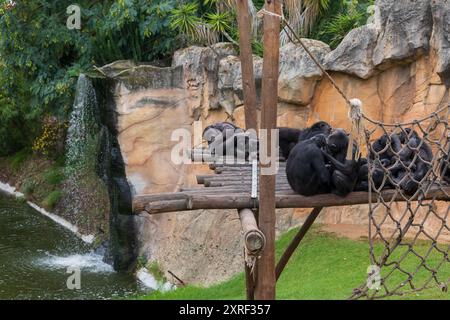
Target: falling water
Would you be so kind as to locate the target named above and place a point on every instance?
(83, 126)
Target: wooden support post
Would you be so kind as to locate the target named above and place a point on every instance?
(249, 282)
(248, 78)
(296, 241)
(266, 281)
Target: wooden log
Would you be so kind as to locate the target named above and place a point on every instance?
(246, 54)
(243, 178)
(253, 237)
(174, 205)
(285, 199)
(247, 164)
(139, 202)
(217, 190)
(242, 184)
(265, 283)
(296, 241)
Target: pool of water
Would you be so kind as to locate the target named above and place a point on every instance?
(36, 255)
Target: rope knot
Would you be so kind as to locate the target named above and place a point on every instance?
(355, 112)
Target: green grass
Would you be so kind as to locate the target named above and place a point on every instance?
(324, 267)
(155, 270)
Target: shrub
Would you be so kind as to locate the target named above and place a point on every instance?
(51, 141)
(28, 187)
(156, 271)
(54, 176)
(52, 199)
(18, 159)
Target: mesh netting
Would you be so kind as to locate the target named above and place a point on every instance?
(408, 182)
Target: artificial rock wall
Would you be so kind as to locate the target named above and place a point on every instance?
(398, 66)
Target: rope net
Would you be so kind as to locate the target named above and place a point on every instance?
(409, 234)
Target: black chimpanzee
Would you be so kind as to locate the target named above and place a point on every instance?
(305, 168)
(445, 170)
(289, 137)
(344, 172)
(386, 146)
(416, 155)
(225, 138)
(377, 174)
(218, 129)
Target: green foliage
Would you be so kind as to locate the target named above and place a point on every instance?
(185, 20)
(40, 58)
(52, 199)
(340, 18)
(339, 26)
(28, 187)
(19, 158)
(156, 272)
(54, 176)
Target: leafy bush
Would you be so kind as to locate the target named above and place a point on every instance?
(52, 199)
(19, 158)
(54, 176)
(340, 18)
(339, 26)
(28, 187)
(51, 140)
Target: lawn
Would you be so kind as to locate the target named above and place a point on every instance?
(324, 267)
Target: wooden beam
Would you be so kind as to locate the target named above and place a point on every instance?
(181, 201)
(249, 282)
(253, 238)
(266, 281)
(296, 241)
(248, 78)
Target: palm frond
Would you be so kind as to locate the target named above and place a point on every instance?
(302, 15)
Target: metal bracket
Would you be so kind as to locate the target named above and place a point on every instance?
(254, 194)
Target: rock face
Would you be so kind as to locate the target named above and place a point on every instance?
(230, 82)
(298, 72)
(441, 38)
(355, 52)
(398, 67)
(405, 31)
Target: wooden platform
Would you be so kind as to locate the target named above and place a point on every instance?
(230, 188)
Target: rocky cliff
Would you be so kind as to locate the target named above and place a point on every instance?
(399, 66)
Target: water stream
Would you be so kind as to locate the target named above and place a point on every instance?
(35, 254)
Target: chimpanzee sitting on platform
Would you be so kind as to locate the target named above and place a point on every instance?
(289, 137)
(226, 139)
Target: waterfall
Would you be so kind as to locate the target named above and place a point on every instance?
(83, 129)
